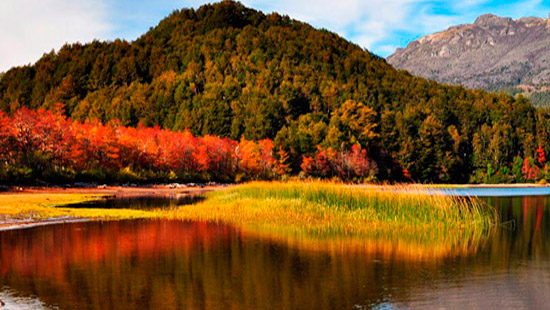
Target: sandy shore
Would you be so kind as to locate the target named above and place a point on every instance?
(22, 224)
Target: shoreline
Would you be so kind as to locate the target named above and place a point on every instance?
(12, 222)
(118, 191)
(513, 185)
(7, 223)
(170, 189)
(25, 224)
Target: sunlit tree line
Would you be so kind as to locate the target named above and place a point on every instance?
(48, 146)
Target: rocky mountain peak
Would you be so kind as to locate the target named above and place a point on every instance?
(491, 20)
(493, 53)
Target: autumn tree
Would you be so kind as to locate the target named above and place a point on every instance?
(541, 156)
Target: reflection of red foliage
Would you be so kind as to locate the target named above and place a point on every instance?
(50, 250)
(534, 216)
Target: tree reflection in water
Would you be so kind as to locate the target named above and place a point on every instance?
(182, 265)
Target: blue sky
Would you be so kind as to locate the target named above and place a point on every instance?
(33, 27)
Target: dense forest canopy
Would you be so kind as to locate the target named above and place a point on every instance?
(231, 71)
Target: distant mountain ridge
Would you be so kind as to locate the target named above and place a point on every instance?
(493, 53)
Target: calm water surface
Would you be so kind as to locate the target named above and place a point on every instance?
(142, 203)
(187, 265)
(496, 191)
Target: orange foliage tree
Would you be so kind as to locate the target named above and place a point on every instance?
(48, 145)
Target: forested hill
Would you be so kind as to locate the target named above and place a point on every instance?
(228, 70)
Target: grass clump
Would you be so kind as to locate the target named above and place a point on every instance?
(404, 221)
(315, 207)
(325, 210)
(38, 206)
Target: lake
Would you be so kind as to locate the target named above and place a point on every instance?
(162, 264)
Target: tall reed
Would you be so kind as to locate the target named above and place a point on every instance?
(335, 208)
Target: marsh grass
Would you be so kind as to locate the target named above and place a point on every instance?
(340, 208)
(316, 214)
(38, 206)
(318, 207)
(396, 220)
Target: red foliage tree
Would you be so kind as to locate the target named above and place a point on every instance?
(5, 136)
(529, 171)
(308, 165)
(255, 159)
(346, 165)
(541, 156)
(64, 144)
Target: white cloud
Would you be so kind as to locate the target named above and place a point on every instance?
(29, 28)
(377, 24)
(346, 17)
(365, 22)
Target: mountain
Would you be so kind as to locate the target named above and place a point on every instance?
(231, 71)
(493, 53)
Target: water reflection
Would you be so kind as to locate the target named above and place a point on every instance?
(528, 235)
(183, 265)
(142, 203)
(520, 191)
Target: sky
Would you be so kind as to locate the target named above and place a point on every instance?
(30, 28)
